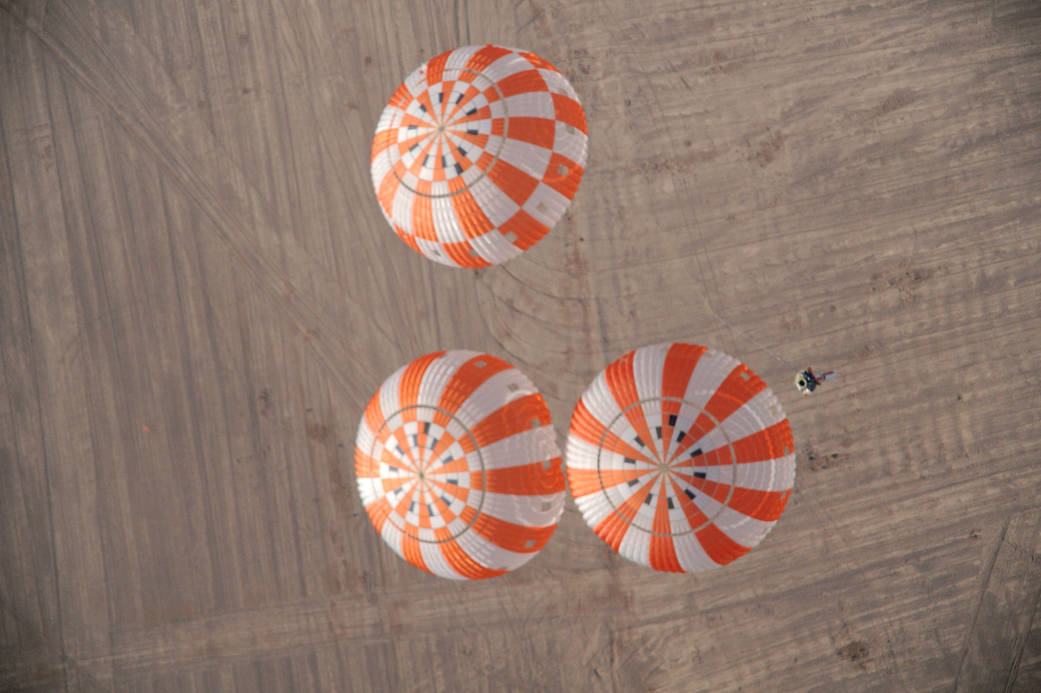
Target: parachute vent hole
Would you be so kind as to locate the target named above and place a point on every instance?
(541, 207)
(787, 450)
(534, 423)
(480, 364)
(513, 387)
(547, 463)
(473, 252)
(530, 543)
(436, 252)
(744, 375)
(562, 170)
(546, 505)
(511, 237)
(570, 129)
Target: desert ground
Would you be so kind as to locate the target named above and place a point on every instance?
(199, 293)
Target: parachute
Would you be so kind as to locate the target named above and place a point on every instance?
(680, 457)
(457, 465)
(478, 154)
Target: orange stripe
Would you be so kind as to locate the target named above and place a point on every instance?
(460, 254)
(373, 414)
(365, 467)
(401, 97)
(410, 548)
(408, 389)
(612, 529)
(586, 481)
(562, 174)
(512, 418)
(517, 184)
(538, 61)
(378, 511)
(416, 167)
(510, 536)
(767, 444)
(528, 230)
(539, 131)
(443, 510)
(381, 141)
(679, 365)
(482, 113)
(733, 392)
(587, 427)
(466, 380)
(436, 68)
(523, 82)
(393, 483)
(402, 440)
(569, 112)
(424, 513)
(460, 561)
(663, 552)
(453, 489)
(719, 547)
(485, 57)
(695, 518)
(526, 480)
(470, 215)
(388, 189)
(446, 442)
(468, 94)
(762, 505)
(406, 236)
(622, 384)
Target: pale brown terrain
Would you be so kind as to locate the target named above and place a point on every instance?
(198, 294)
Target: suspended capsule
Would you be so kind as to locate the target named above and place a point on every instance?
(478, 154)
(807, 381)
(458, 467)
(680, 457)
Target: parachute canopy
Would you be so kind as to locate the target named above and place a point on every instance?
(680, 457)
(478, 154)
(457, 465)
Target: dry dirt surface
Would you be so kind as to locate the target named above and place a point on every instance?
(198, 294)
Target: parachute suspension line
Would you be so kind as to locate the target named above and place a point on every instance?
(712, 308)
(701, 242)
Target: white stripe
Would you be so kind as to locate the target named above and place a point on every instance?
(572, 143)
(580, 454)
(495, 204)
(531, 104)
(746, 531)
(528, 511)
(436, 561)
(691, 554)
(530, 158)
(636, 545)
(769, 475)
(528, 447)
(594, 508)
(757, 414)
(711, 370)
(508, 64)
(489, 555)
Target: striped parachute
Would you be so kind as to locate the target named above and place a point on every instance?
(680, 457)
(478, 154)
(458, 467)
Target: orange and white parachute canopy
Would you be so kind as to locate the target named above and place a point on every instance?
(458, 466)
(680, 457)
(478, 154)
